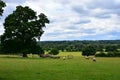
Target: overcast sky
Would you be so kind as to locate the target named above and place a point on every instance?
(74, 19)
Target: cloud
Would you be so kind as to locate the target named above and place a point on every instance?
(98, 8)
(104, 4)
(14, 1)
(1, 28)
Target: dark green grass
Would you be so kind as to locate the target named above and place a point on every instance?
(77, 68)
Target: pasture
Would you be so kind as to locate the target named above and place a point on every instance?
(78, 68)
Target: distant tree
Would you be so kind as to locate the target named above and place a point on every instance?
(111, 48)
(22, 28)
(54, 51)
(2, 5)
(88, 50)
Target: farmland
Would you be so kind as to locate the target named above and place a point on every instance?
(78, 68)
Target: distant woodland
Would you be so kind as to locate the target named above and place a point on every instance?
(77, 45)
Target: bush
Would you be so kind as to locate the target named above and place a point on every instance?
(109, 54)
(117, 54)
(54, 52)
(101, 54)
(111, 48)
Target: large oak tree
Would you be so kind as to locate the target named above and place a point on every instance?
(22, 28)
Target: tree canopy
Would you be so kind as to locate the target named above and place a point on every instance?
(2, 5)
(111, 48)
(22, 28)
(88, 50)
(54, 51)
(78, 45)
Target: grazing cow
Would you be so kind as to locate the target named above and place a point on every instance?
(55, 57)
(94, 59)
(45, 55)
(69, 56)
(64, 58)
(86, 57)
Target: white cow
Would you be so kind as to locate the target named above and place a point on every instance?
(94, 59)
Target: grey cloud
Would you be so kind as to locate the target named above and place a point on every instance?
(104, 4)
(73, 27)
(14, 1)
(116, 11)
(64, 2)
(111, 7)
(83, 22)
(88, 31)
(80, 10)
(53, 34)
(103, 16)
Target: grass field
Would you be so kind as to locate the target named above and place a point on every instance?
(78, 68)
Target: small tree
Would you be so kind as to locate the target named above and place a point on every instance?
(54, 51)
(88, 50)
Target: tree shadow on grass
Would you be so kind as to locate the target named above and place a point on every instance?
(6, 79)
(3, 78)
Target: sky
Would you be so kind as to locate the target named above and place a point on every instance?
(73, 19)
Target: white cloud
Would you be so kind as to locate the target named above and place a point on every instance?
(1, 28)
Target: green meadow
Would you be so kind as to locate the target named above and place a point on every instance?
(77, 68)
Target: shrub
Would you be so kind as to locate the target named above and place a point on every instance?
(101, 54)
(54, 52)
(110, 54)
(111, 48)
(117, 54)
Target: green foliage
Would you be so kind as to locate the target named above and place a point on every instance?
(111, 48)
(22, 27)
(101, 54)
(108, 54)
(71, 46)
(38, 50)
(88, 50)
(110, 51)
(54, 51)
(2, 5)
(117, 54)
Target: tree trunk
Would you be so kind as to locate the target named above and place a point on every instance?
(25, 55)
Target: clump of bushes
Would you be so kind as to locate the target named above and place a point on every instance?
(54, 51)
(108, 54)
(117, 54)
(101, 54)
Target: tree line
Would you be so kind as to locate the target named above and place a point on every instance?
(99, 48)
(76, 45)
